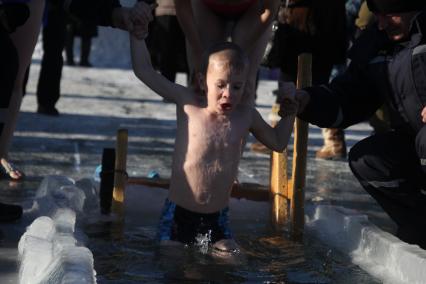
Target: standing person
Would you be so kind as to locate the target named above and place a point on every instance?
(86, 30)
(387, 65)
(210, 134)
(49, 81)
(12, 15)
(24, 39)
(247, 22)
(19, 28)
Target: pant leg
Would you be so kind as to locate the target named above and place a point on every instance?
(48, 88)
(167, 46)
(69, 43)
(388, 167)
(9, 63)
(8, 68)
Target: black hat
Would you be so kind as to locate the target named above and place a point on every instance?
(395, 6)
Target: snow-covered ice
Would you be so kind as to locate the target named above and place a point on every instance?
(378, 252)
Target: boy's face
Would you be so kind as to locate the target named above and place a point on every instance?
(224, 85)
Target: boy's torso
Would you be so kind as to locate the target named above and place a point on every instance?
(206, 157)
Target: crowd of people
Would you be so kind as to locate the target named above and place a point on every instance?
(369, 63)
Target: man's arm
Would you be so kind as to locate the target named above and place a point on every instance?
(106, 13)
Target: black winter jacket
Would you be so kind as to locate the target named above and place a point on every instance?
(380, 71)
(97, 12)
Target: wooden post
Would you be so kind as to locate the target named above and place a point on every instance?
(297, 192)
(279, 189)
(278, 182)
(107, 180)
(120, 175)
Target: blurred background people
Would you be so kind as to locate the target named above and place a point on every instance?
(86, 30)
(167, 41)
(19, 29)
(53, 37)
(319, 28)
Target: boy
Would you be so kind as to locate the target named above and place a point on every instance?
(211, 128)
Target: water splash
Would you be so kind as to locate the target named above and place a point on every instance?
(203, 241)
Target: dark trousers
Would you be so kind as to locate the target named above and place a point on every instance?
(389, 167)
(9, 64)
(48, 88)
(171, 45)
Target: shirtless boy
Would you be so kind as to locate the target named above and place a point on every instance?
(211, 128)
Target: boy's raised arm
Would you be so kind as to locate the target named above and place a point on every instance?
(142, 66)
(276, 138)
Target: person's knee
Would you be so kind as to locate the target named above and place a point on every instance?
(364, 162)
(356, 155)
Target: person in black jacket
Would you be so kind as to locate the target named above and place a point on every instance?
(388, 65)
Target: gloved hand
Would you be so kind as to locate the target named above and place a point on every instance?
(287, 94)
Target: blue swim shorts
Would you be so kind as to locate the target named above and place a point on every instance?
(182, 225)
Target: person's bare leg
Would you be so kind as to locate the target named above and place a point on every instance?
(211, 29)
(24, 39)
(256, 50)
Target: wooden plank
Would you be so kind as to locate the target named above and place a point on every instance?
(297, 211)
(249, 191)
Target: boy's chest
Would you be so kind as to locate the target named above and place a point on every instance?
(216, 136)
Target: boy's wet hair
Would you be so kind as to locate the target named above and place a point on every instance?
(238, 58)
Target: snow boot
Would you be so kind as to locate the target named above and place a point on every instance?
(334, 145)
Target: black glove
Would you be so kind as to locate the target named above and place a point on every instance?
(13, 15)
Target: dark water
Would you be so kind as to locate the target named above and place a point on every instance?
(130, 254)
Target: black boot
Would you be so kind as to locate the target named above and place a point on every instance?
(9, 212)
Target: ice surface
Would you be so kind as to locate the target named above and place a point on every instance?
(52, 250)
(379, 253)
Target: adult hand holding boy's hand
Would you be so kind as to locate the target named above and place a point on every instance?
(135, 20)
(287, 94)
(141, 15)
(302, 97)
